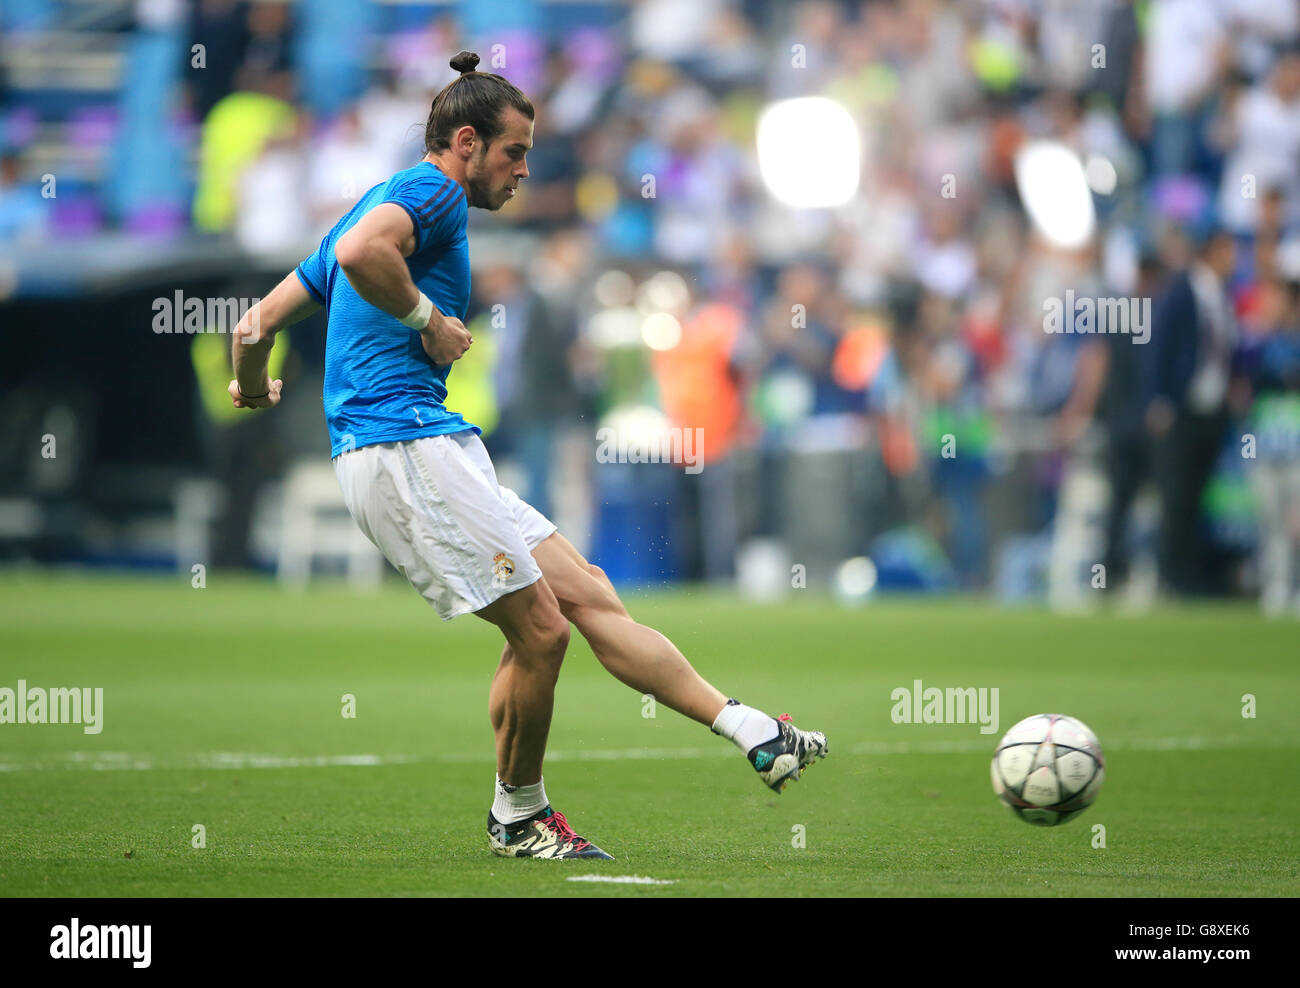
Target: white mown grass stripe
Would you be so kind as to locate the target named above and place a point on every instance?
(622, 879)
(110, 761)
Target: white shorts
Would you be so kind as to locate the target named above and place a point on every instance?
(435, 510)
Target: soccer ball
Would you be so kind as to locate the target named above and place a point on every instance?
(1048, 769)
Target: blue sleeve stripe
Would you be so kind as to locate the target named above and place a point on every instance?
(306, 283)
(446, 209)
(440, 194)
(435, 204)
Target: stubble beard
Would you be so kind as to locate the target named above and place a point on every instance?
(480, 194)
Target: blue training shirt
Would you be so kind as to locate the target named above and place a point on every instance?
(380, 385)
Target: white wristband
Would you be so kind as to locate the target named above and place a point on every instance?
(418, 318)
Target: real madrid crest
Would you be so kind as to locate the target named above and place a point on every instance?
(503, 567)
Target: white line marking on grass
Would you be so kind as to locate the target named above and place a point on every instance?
(971, 745)
(622, 879)
(603, 754)
(110, 761)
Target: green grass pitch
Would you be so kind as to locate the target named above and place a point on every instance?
(223, 708)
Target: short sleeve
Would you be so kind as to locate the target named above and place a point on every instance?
(313, 272)
(436, 206)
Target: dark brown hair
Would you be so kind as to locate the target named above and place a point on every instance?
(476, 99)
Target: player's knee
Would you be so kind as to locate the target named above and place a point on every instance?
(548, 638)
(557, 635)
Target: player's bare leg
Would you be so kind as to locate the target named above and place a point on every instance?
(647, 661)
(520, 703)
(636, 655)
(522, 696)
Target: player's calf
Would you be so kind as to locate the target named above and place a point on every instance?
(522, 696)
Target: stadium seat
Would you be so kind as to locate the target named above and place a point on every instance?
(316, 524)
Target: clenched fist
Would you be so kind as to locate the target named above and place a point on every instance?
(445, 339)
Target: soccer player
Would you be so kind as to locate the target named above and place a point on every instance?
(394, 274)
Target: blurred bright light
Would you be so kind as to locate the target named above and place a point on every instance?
(763, 570)
(665, 291)
(1288, 259)
(1052, 185)
(661, 331)
(1101, 174)
(639, 428)
(855, 579)
(808, 152)
(616, 327)
(614, 287)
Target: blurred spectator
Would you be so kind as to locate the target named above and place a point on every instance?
(672, 29)
(700, 180)
(1122, 414)
(270, 218)
(267, 66)
(235, 134)
(1193, 339)
(957, 440)
(347, 163)
(803, 61)
(1275, 425)
(1258, 28)
(221, 27)
(702, 394)
(801, 327)
(531, 376)
(392, 115)
(1188, 51)
(1265, 135)
(1124, 62)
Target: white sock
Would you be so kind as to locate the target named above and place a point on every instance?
(511, 804)
(745, 726)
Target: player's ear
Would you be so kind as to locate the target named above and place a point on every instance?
(467, 139)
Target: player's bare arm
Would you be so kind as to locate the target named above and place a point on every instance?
(254, 336)
(373, 257)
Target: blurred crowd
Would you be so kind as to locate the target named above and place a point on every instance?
(905, 329)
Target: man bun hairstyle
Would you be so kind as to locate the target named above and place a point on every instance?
(476, 99)
(465, 61)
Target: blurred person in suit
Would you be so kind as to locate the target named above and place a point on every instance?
(1194, 338)
(1128, 446)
